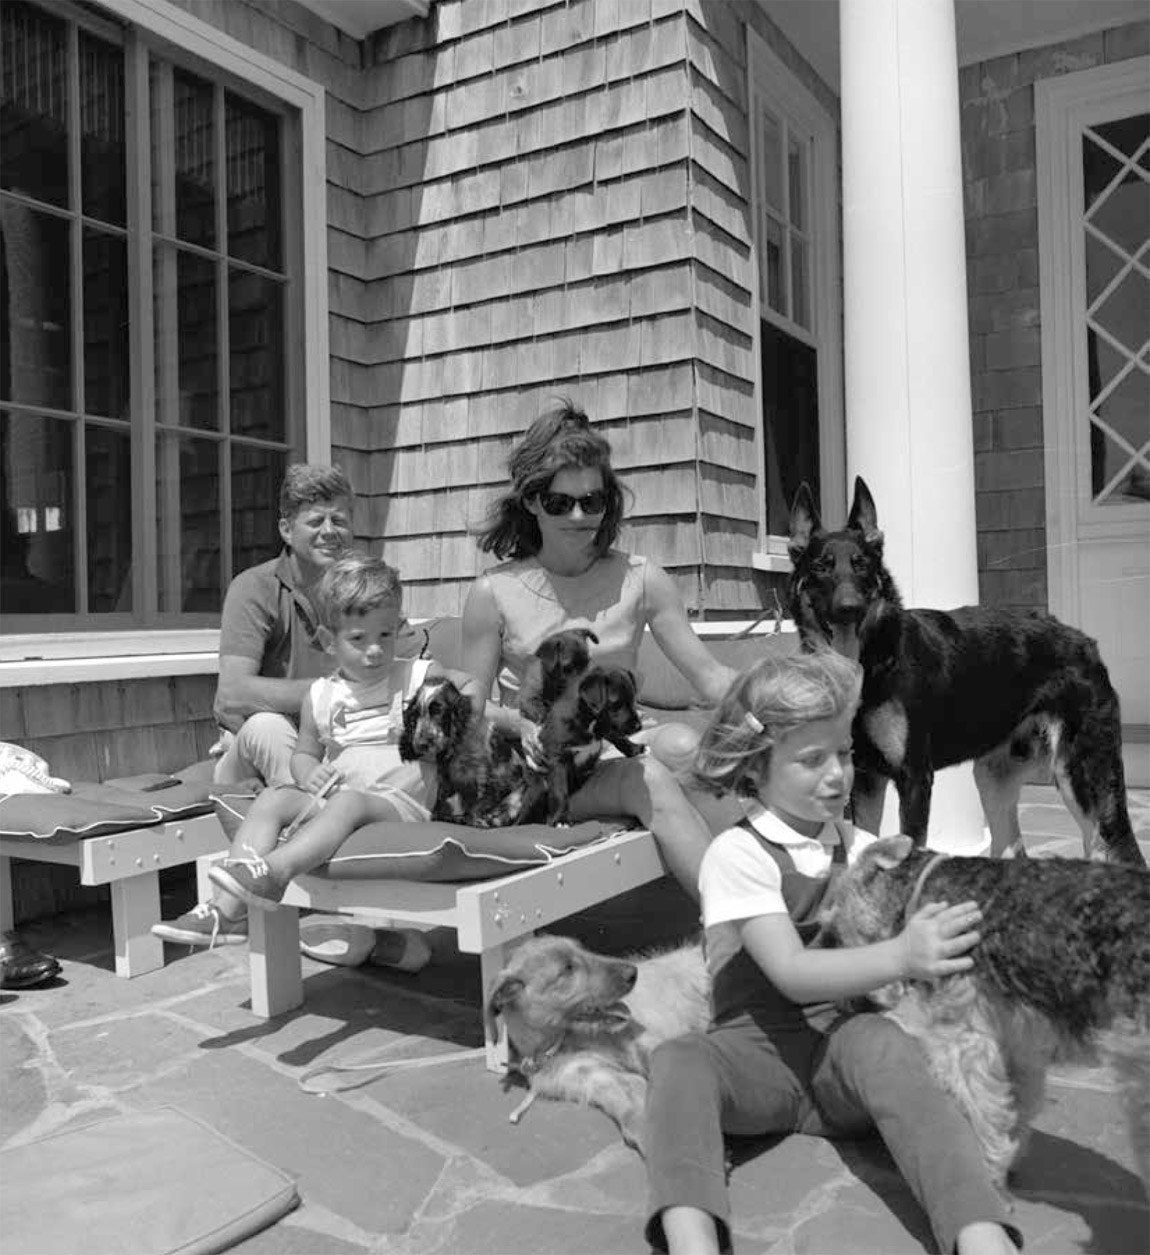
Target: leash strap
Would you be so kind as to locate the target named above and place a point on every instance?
(916, 892)
(521, 1109)
(332, 1078)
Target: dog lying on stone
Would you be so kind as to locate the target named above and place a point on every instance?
(582, 1026)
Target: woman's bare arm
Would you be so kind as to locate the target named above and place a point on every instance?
(482, 648)
(667, 619)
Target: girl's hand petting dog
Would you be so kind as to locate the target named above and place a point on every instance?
(937, 938)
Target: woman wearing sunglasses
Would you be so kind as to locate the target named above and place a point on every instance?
(557, 528)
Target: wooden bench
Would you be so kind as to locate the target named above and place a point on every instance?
(130, 862)
(490, 916)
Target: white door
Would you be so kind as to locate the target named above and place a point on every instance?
(1093, 132)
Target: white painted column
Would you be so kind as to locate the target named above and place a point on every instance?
(907, 358)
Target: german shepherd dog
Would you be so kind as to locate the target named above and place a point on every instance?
(582, 1026)
(1010, 689)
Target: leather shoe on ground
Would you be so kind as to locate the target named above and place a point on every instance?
(21, 967)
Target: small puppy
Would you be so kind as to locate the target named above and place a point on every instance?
(1062, 973)
(582, 1026)
(600, 707)
(559, 660)
(481, 771)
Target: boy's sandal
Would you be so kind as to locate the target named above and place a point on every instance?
(21, 967)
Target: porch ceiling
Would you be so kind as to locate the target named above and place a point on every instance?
(984, 28)
(360, 17)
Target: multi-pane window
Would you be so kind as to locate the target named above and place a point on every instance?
(147, 400)
(787, 343)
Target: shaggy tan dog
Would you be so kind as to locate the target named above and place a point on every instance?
(582, 1026)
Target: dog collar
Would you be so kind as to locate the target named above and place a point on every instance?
(916, 892)
(529, 1065)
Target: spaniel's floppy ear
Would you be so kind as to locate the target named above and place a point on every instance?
(457, 712)
(411, 709)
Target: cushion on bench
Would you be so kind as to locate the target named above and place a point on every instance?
(93, 810)
(433, 850)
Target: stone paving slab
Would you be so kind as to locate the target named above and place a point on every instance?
(427, 1162)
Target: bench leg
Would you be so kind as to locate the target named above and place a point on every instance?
(277, 970)
(135, 908)
(7, 914)
(205, 890)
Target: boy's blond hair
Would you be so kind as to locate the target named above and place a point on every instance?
(766, 701)
(355, 584)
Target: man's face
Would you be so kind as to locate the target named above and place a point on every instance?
(319, 533)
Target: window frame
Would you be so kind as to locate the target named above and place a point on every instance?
(160, 27)
(770, 82)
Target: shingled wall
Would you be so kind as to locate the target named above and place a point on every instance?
(557, 205)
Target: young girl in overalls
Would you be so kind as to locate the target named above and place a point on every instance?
(780, 1055)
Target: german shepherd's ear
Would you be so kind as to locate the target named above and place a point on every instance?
(804, 522)
(863, 516)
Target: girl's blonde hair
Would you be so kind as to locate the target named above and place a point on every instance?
(766, 701)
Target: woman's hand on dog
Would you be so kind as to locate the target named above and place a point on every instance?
(937, 938)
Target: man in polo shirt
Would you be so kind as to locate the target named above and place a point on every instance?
(269, 648)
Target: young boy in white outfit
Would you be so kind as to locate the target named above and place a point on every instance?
(346, 763)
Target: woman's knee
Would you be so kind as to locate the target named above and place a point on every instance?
(674, 745)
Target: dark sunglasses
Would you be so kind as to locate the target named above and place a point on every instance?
(556, 503)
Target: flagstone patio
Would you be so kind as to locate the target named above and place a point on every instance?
(427, 1162)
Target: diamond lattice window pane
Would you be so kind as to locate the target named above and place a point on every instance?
(1125, 412)
(1122, 213)
(1125, 313)
(1102, 264)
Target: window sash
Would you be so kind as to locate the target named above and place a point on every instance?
(140, 46)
